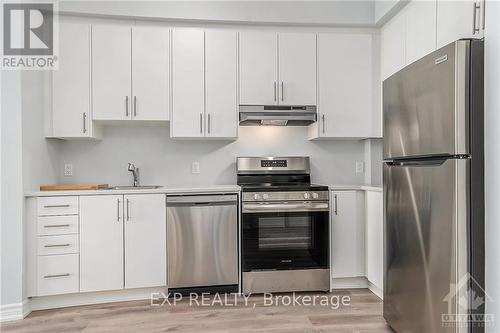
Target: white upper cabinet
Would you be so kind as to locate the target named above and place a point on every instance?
(71, 108)
(297, 68)
(459, 19)
(393, 44)
(420, 29)
(188, 87)
(345, 104)
(101, 242)
(258, 68)
(145, 240)
(111, 55)
(150, 73)
(221, 83)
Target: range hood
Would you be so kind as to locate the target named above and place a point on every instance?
(277, 115)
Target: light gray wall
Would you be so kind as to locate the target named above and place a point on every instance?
(492, 161)
(376, 161)
(11, 223)
(165, 161)
(40, 156)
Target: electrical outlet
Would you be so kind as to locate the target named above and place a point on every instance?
(360, 167)
(195, 168)
(68, 170)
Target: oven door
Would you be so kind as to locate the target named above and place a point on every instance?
(279, 236)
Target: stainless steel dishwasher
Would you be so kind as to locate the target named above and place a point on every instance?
(202, 241)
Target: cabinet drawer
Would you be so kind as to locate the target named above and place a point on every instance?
(63, 244)
(58, 274)
(57, 206)
(57, 225)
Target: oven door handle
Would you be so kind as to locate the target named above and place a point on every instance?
(286, 207)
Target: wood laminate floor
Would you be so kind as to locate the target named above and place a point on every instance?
(362, 315)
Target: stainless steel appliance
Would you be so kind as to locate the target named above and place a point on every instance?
(285, 226)
(277, 115)
(433, 192)
(202, 241)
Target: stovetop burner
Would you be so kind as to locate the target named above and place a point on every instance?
(275, 174)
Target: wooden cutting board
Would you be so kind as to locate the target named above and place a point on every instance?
(73, 187)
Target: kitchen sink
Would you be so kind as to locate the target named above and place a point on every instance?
(130, 187)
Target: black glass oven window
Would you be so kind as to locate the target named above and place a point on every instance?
(287, 232)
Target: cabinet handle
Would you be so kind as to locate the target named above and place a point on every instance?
(128, 214)
(483, 5)
(323, 120)
(335, 204)
(56, 206)
(474, 18)
(118, 210)
(201, 123)
(84, 122)
(135, 106)
(126, 106)
(57, 245)
(282, 92)
(208, 128)
(274, 89)
(55, 275)
(56, 226)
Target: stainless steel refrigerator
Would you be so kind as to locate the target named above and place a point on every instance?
(433, 192)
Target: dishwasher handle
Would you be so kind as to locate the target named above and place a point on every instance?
(201, 200)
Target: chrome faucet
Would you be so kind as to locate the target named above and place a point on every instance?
(135, 173)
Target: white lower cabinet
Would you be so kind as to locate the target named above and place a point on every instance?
(375, 239)
(145, 240)
(122, 241)
(101, 242)
(57, 274)
(348, 234)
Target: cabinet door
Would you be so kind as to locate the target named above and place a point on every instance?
(258, 68)
(71, 112)
(188, 89)
(111, 69)
(101, 242)
(145, 240)
(348, 234)
(455, 20)
(420, 29)
(393, 40)
(297, 68)
(221, 83)
(375, 238)
(150, 73)
(345, 104)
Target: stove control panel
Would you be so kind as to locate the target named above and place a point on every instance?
(286, 196)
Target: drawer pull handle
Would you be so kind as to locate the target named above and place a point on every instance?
(55, 275)
(56, 245)
(56, 206)
(56, 226)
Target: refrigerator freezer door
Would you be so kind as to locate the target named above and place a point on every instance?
(425, 244)
(426, 105)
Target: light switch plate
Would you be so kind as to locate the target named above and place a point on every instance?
(360, 167)
(68, 170)
(195, 168)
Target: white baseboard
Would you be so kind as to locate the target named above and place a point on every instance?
(16, 311)
(349, 283)
(376, 290)
(62, 301)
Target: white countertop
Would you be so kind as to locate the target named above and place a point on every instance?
(356, 188)
(165, 190)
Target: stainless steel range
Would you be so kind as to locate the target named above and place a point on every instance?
(285, 226)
